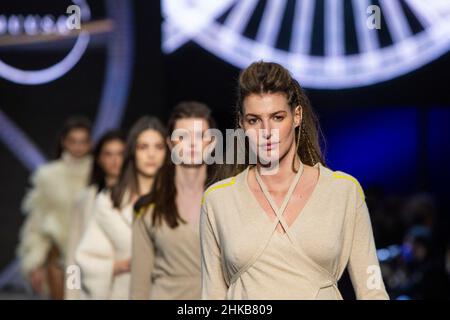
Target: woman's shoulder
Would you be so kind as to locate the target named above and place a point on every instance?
(86, 197)
(104, 197)
(103, 203)
(106, 214)
(48, 171)
(346, 182)
(145, 214)
(219, 189)
(88, 193)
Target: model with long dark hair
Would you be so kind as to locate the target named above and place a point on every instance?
(166, 249)
(108, 158)
(104, 252)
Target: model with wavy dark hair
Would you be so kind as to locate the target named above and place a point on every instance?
(104, 252)
(286, 226)
(166, 248)
(108, 158)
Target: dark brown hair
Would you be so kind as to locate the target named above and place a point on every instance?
(268, 77)
(98, 175)
(127, 181)
(164, 192)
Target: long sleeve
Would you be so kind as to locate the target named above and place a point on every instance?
(142, 261)
(95, 257)
(364, 268)
(34, 243)
(76, 231)
(213, 281)
(77, 228)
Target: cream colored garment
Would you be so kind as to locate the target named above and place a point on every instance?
(166, 261)
(107, 239)
(49, 205)
(243, 258)
(83, 211)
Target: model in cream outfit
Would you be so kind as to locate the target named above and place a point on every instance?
(166, 257)
(104, 253)
(166, 261)
(107, 164)
(245, 257)
(107, 239)
(49, 204)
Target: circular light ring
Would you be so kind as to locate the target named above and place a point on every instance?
(335, 70)
(35, 77)
(312, 71)
(113, 100)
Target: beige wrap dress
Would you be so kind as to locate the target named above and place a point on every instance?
(165, 261)
(245, 257)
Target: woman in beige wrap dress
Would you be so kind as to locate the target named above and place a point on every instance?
(166, 241)
(286, 226)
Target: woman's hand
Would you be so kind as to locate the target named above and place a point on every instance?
(122, 266)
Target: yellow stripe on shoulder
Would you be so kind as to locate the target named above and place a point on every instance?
(143, 210)
(352, 179)
(218, 186)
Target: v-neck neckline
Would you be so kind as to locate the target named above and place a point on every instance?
(279, 210)
(299, 215)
